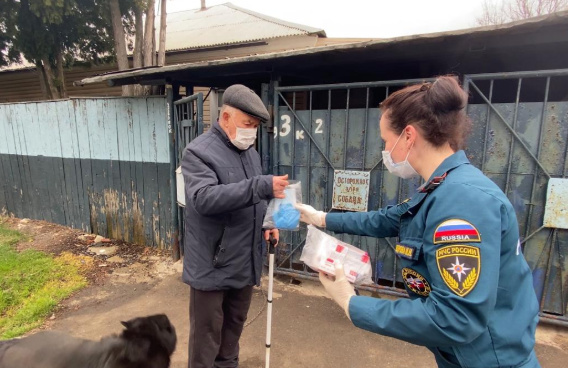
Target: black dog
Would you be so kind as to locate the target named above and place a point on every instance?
(147, 342)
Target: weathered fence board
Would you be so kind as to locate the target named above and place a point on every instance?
(100, 165)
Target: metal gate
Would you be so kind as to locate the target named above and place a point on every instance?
(188, 124)
(323, 128)
(519, 141)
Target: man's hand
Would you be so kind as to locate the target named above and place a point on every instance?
(339, 289)
(279, 183)
(275, 235)
(310, 215)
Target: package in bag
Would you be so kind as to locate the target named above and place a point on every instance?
(322, 251)
(281, 212)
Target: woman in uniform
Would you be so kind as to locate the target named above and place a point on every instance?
(471, 297)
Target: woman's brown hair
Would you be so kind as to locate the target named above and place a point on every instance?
(437, 109)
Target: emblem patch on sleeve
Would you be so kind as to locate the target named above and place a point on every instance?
(454, 230)
(415, 282)
(459, 265)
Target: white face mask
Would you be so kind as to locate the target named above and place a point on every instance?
(244, 138)
(402, 169)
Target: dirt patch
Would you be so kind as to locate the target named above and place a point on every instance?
(127, 261)
(138, 280)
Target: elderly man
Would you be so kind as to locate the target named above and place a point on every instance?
(225, 206)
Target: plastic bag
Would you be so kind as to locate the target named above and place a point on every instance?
(281, 213)
(322, 251)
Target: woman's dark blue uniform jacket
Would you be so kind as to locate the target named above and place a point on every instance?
(472, 301)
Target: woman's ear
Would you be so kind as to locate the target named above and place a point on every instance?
(410, 133)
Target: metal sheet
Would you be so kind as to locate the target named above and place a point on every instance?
(556, 211)
(351, 190)
(520, 146)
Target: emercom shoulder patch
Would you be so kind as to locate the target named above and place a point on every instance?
(455, 231)
(415, 282)
(460, 266)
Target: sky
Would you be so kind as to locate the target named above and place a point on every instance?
(361, 18)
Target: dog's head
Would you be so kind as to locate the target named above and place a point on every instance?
(149, 339)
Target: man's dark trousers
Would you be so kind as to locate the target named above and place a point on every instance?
(216, 320)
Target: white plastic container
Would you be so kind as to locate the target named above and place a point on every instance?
(322, 251)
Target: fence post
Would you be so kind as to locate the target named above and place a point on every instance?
(173, 188)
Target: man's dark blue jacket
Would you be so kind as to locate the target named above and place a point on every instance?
(226, 197)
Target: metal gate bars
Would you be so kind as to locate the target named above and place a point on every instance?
(187, 125)
(323, 130)
(521, 132)
(519, 141)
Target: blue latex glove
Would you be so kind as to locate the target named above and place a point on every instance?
(287, 217)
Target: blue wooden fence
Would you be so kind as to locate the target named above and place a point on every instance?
(96, 164)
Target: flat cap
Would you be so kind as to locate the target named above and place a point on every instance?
(243, 98)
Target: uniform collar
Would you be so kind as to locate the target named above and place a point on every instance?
(457, 159)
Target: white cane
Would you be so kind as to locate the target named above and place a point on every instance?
(271, 245)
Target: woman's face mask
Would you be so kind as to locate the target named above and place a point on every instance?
(402, 169)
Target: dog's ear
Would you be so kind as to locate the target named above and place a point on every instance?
(135, 324)
(147, 326)
(157, 328)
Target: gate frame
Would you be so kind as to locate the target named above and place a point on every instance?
(193, 106)
(468, 81)
(275, 161)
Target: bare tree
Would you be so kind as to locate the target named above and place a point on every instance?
(60, 76)
(149, 38)
(162, 49)
(138, 44)
(137, 15)
(149, 41)
(49, 79)
(502, 11)
(493, 13)
(138, 35)
(119, 41)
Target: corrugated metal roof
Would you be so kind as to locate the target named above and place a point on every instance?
(531, 24)
(226, 24)
(215, 26)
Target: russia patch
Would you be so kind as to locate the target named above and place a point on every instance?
(454, 230)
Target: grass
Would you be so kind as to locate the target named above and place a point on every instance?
(32, 283)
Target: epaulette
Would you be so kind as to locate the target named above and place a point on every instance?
(433, 184)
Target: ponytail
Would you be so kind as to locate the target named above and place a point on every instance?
(437, 109)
